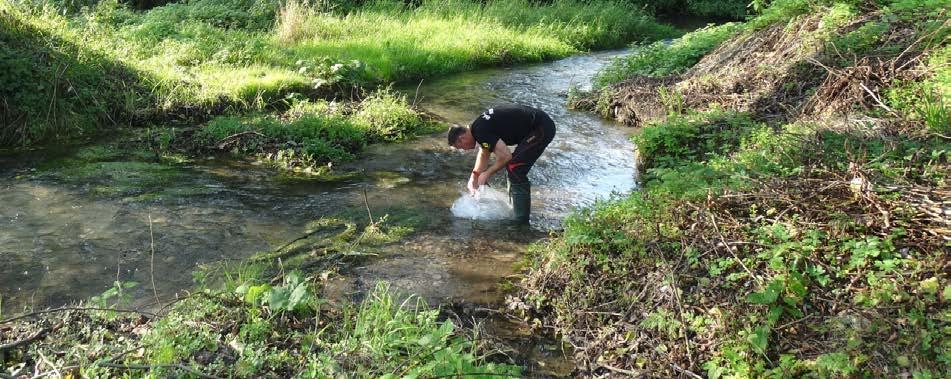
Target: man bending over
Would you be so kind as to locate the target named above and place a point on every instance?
(494, 131)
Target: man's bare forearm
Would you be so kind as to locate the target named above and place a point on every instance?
(499, 163)
(482, 160)
(502, 157)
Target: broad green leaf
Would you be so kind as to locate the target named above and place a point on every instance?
(279, 299)
(297, 296)
(768, 296)
(759, 338)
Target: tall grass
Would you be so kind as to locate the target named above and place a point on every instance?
(245, 53)
(400, 42)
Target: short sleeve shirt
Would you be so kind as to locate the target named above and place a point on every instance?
(509, 123)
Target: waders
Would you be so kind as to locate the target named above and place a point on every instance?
(521, 196)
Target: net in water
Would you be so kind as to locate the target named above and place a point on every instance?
(487, 204)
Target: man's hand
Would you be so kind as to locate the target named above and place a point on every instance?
(480, 174)
(473, 185)
(480, 181)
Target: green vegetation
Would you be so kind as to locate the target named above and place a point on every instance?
(54, 87)
(260, 318)
(730, 9)
(667, 58)
(770, 237)
(73, 69)
(747, 239)
(311, 134)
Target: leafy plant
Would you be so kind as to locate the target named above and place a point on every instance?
(293, 296)
(116, 296)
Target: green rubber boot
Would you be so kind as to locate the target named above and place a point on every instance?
(521, 195)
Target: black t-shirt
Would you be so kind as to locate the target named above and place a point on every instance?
(510, 123)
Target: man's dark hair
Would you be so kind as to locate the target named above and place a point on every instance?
(455, 132)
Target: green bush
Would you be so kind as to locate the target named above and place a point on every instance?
(733, 9)
(729, 9)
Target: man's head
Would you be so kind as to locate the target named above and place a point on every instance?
(461, 138)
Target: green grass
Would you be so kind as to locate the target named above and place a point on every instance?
(667, 58)
(246, 55)
(765, 248)
(312, 134)
(54, 86)
(262, 317)
(929, 100)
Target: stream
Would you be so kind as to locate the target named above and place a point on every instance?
(68, 230)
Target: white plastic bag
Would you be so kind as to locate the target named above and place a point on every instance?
(487, 204)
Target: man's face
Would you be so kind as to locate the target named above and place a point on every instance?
(465, 142)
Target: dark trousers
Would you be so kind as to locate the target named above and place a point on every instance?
(530, 148)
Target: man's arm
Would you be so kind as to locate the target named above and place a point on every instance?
(502, 157)
(482, 160)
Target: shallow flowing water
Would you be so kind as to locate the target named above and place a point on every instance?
(66, 234)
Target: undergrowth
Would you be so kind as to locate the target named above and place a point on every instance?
(756, 253)
(262, 317)
(771, 238)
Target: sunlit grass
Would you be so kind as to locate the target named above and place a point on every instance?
(194, 61)
(246, 54)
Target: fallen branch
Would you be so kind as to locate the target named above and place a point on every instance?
(630, 373)
(685, 371)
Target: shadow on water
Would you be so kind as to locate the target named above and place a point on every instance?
(74, 224)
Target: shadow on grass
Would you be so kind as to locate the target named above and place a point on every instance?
(55, 89)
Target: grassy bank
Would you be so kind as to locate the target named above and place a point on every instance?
(263, 317)
(791, 223)
(311, 135)
(75, 71)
